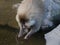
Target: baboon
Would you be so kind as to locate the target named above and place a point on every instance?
(29, 16)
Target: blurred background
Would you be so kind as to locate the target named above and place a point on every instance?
(9, 27)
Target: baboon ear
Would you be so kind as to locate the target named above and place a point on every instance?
(15, 6)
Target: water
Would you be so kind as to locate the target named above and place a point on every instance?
(8, 37)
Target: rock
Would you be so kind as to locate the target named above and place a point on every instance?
(53, 37)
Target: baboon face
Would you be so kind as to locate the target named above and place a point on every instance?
(23, 19)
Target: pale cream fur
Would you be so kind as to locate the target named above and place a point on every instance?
(32, 10)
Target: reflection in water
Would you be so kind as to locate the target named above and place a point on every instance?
(8, 37)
